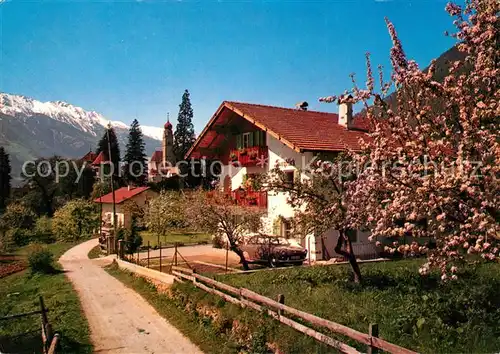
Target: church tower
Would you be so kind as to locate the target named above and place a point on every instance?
(168, 144)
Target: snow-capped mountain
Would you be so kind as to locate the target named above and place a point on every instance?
(87, 121)
(30, 129)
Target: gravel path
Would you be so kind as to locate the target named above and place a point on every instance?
(120, 320)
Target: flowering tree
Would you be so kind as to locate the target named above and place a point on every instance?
(431, 165)
(165, 213)
(217, 213)
(321, 201)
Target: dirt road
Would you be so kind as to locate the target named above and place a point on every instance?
(120, 320)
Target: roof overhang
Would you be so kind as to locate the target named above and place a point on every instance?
(208, 136)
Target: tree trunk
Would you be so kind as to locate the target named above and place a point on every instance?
(349, 254)
(240, 254)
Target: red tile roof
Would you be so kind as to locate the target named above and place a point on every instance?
(157, 157)
(300, 130)
(100, 158)
(89, 157)
(121, 195)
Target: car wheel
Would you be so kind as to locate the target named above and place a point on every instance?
(272, 262)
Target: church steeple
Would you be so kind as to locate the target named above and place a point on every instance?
(168, 143)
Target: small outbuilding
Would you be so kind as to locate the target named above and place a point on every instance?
(139, 195)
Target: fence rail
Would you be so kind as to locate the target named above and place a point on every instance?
(277, 309)
(165, 262)
(50, 340)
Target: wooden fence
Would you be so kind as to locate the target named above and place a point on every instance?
(279, 311)
(165, 262)
(50, 340)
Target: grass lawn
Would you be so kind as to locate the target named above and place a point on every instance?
(198, 331)
(19, 293)
(422, 314)
(173, 237)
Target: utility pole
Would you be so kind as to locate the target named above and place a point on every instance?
(100, 210)
(112, 185)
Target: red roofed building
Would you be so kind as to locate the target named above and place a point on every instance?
(139, 195)
(250, 139)
(89, 157)
(101, 158)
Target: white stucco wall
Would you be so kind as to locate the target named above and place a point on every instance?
(279, 153)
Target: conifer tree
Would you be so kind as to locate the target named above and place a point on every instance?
(115, 147)
(5, 178)
(184, 131)
(135, 156)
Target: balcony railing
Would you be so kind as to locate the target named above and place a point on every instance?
(251, 156)
(245, 198)
(250, 198)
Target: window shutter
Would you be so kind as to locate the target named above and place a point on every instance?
(239, 144)
(250, 140)
(257, 138)
(277, 226)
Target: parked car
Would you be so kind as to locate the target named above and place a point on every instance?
(273, 251)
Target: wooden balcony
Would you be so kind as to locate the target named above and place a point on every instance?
(251, 156)
(245, 198)
(250, 198)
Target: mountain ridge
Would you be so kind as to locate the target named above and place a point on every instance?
(31, 129)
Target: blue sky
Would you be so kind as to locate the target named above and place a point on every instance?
(134, 59)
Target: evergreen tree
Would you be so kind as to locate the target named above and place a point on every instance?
(5, 178)
(135, 156)
(184, 131)
(115, 147)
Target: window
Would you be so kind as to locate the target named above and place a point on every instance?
(286, 228)
(246, 140)
(289, 177)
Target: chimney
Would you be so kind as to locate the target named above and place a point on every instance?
(345, 112)
(302, 105)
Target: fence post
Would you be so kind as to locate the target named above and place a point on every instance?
(194, 278)
(160, 256)
(46, 328)
(53, 345)
(373, 332)
(148, 254)
(121, 250)
(175, 254)
(281, 300)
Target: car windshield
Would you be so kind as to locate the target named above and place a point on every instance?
(263, 240)
(278, 241)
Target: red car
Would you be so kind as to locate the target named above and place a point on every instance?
(273, 250)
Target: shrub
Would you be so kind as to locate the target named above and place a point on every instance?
(43, 230)
(75, 220)
(6, 242)
(18, 237)
(18, 216)
(40, 260)
(132, 238)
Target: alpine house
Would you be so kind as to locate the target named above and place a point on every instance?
(250, 139)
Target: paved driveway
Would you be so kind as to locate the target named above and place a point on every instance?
(120, 320)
